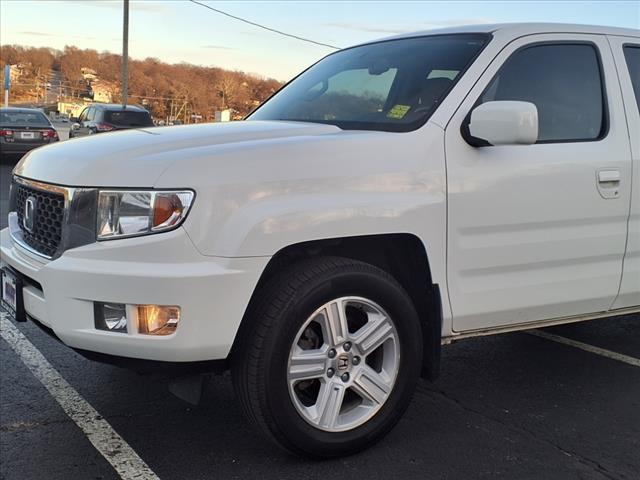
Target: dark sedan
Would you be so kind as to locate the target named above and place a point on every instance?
(23, 129)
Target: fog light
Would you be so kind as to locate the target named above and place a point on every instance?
(111, 317)
(158, 319)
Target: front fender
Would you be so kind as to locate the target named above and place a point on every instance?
(257, 198)
(265, 227)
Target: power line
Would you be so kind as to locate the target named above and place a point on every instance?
(264, 27)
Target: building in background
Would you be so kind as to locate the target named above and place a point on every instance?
(16, 72)
(89, 74)
(72, 108)
(103, 92)
(223, 115)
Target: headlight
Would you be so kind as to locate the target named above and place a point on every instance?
(127, 213)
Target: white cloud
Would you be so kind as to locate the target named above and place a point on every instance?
(47, 34)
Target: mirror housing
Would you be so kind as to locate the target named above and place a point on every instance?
(504, 122)
(75, 126)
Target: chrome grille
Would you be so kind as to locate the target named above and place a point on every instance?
(45, 232)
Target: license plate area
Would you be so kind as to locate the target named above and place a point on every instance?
(12, 299)
(27, 135)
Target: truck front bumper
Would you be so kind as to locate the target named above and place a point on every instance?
(163, 269)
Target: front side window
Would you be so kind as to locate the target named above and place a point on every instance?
(393, 85)
(632, 56)
(564, 82)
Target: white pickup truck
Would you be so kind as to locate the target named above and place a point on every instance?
(396, 196)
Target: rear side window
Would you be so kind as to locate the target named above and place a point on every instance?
(632, 55)
(129, 119)
(564, 82)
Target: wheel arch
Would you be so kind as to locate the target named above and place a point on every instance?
(402, 255)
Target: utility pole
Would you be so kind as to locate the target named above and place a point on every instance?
(125, 53)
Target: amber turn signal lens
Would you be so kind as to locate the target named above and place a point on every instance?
(158, 319)
(167, 209)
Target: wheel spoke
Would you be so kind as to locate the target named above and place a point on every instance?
(307, 364)
(371, 385)
(335, 323)
(329, 404)
(373, 334)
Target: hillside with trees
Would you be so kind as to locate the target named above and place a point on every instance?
(161, 87)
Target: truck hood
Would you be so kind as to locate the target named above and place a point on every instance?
(137, 158)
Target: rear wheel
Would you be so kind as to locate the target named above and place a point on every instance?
(330, 357)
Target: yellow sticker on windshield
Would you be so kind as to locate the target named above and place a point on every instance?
(398, 111)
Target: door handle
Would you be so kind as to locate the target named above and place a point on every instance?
(609, 176)
(609, 183)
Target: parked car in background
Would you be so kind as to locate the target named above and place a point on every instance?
(108, 117)
(23, 129)
(396, 196)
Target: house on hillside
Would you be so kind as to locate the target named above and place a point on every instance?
(16, 72)
(89, 74)
(103, 92)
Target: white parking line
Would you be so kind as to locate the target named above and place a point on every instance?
(585, 346)
(103, 437)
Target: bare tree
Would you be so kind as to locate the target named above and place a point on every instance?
(163, 87)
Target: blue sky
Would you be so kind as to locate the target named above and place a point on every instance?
(179, 31)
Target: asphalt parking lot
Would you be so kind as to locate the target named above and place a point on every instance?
(514, 406)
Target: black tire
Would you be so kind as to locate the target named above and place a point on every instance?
(259, 363)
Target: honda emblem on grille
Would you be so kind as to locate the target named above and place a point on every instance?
(29, 214)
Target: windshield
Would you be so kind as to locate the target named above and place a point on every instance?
(129, 119)
(393, 85)
(23, 119)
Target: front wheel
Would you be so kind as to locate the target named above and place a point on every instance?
(330, 357)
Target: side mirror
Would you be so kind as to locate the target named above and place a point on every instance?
(504, 123)
(75, 126)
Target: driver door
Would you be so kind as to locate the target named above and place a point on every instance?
(533, 231)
